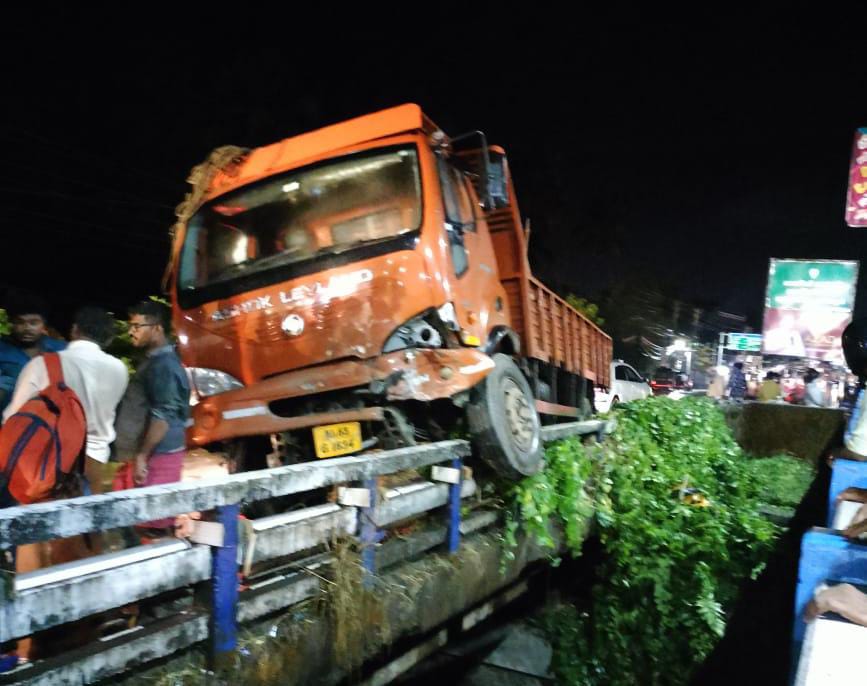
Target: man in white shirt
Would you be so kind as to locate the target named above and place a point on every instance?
(98, 379)
(814, 390)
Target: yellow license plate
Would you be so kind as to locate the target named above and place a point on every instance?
(337, 439)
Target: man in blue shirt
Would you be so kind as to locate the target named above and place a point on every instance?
(153, 414)
(28, 338)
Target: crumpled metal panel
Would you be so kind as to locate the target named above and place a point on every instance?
(424, 375)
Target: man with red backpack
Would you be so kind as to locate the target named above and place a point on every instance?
(97, 379)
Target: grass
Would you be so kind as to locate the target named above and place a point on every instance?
(783, 479)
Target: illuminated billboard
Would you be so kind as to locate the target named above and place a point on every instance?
(807, 305)
(856, 197)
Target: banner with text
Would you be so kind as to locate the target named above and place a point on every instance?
(807, 306)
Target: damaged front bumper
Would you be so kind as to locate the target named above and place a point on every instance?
(413, 374)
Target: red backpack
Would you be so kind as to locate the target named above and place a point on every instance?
(42, 443)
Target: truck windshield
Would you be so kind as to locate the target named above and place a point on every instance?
(303, 214)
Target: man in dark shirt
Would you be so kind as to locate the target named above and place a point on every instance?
(737, 382)
(161, 389)
(27, 339)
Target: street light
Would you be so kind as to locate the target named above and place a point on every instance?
(679, 346)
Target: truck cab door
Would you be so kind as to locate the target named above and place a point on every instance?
(478, 295)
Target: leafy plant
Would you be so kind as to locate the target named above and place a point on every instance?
(560, 492)
(585, 307)
(783, 480)
(572, 659)
(121, 346)
(677, 512)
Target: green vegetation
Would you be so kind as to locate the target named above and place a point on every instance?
(585, 307)
(562, 492)
(783, 479)
(676, 507)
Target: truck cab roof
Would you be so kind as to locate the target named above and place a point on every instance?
(309, 147)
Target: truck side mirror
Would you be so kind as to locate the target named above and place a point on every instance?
(490, 166)
(498, 188)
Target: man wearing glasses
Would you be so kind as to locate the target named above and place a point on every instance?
(153, 415)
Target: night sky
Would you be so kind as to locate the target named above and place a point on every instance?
(671, 156)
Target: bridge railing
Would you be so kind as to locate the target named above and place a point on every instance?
(57, 595)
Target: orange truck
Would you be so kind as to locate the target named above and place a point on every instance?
(365, 286)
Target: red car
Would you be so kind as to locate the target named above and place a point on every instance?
(665, 380)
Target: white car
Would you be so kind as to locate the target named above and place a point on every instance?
(626, 385)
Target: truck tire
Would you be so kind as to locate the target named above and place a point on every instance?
(504, 425)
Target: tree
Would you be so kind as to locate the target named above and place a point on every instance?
(588, 309)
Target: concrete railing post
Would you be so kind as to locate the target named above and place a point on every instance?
(369, 533)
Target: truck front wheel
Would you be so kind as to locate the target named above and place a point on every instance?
(504, 425)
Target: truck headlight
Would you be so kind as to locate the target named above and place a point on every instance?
(212, 381)
(423, 331)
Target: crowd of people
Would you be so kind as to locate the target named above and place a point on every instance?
(138, 419)
(823, 389)
(812, 387)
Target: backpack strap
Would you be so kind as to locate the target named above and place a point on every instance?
(55, 369)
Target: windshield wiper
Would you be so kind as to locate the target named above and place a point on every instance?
(271, 260)
(253, 264)
(230, 271)
(344, 247)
